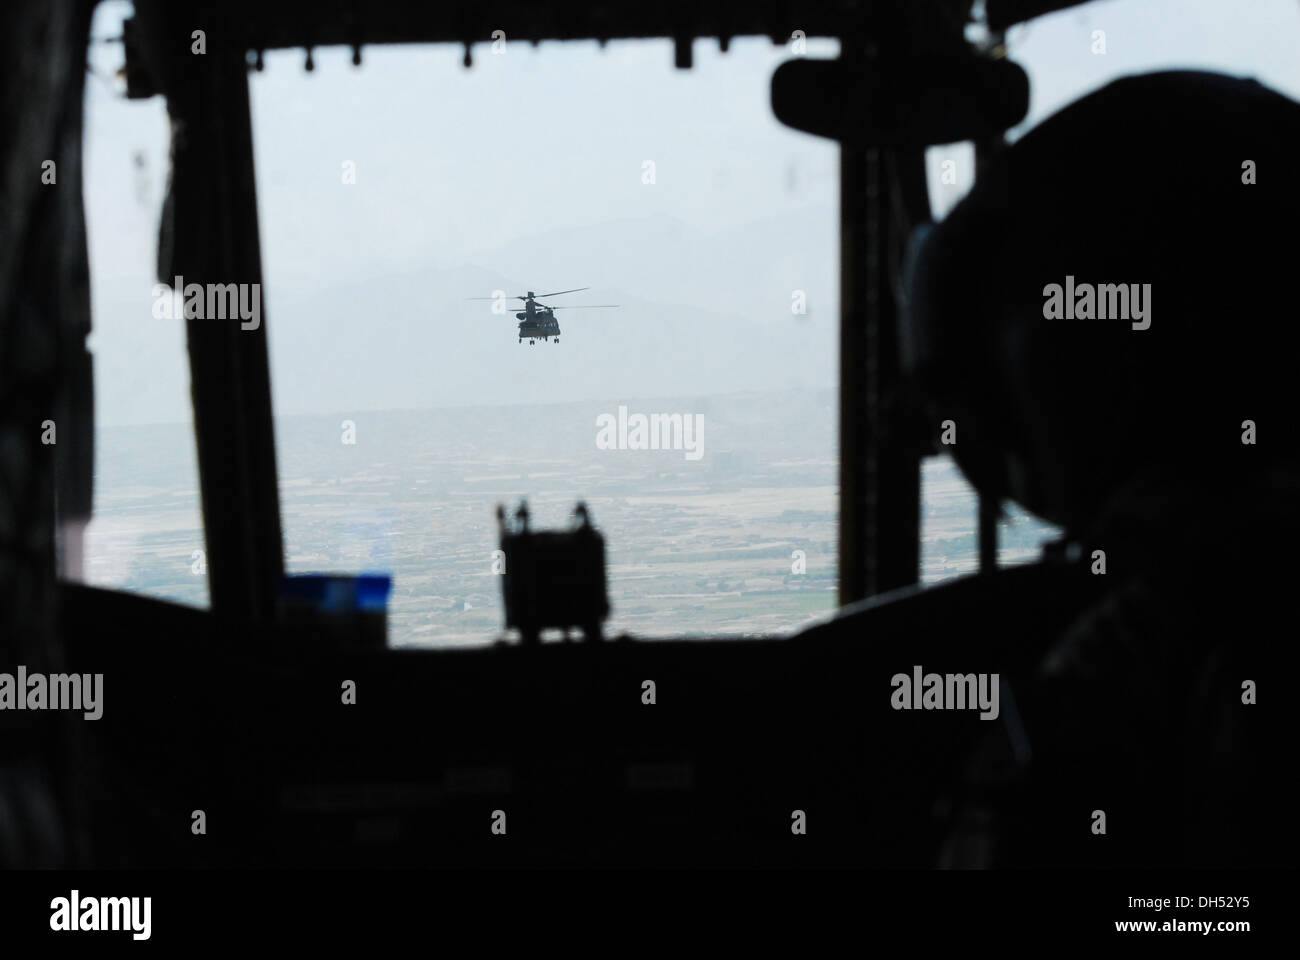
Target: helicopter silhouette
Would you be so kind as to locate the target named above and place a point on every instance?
(537, 320)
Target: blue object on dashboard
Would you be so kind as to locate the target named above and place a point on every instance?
(338, 593)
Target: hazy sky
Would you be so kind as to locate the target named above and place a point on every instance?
(528, 170)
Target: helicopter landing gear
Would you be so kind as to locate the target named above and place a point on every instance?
(521, 339)
(557, 339)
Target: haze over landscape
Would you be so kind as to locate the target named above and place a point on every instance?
(701, 547)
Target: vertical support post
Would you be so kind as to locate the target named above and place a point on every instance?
(854, 533)
(215, 238)
(880, 476)
(986, 150)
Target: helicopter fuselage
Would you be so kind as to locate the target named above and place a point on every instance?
(537, 325)
(537, 320)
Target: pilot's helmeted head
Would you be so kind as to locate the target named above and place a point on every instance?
(1180, 186)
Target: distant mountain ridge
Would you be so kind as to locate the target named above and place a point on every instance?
(699, 313)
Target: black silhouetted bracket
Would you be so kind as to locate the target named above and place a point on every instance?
(553, 578)
(896, 102)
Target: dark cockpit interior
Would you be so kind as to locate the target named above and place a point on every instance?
(1102, 331)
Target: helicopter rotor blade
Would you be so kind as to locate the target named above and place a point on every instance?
(558, 292)
(585, 306)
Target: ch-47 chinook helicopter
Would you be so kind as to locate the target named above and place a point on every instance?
(537, 320)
